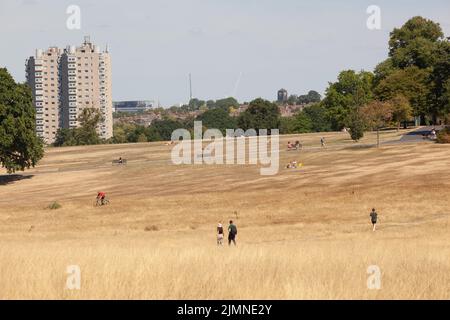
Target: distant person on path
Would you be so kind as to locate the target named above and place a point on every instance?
(433, 134)
(373, 218)
(322, 142)
(219, 234)
(232, 232)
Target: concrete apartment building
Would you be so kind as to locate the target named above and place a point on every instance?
(64, 82)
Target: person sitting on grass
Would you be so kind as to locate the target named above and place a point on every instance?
(289, 145)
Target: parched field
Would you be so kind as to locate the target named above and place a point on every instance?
(303, 233)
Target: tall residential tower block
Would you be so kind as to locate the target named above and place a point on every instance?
(64, 82)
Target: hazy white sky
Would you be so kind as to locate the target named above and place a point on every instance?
(267, 44)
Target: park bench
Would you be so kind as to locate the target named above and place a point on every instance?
(124, 161)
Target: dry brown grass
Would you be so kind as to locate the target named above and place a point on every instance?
(303, 234)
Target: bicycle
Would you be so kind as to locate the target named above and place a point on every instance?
(100, 202)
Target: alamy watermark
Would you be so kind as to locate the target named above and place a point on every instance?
(374, 20)
(73, 22)
(73, 281)
(374, 279)
(231, 149)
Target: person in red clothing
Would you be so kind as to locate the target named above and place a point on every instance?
(101, 197)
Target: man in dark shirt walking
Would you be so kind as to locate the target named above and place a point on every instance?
(232, 232)
(373, 218)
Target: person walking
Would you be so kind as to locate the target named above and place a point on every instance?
(219, 234)
(374, 218)
(232, 232)
(322, 142)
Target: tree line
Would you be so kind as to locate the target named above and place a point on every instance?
(413, 82)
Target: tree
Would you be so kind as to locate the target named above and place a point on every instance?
(401, 109)
(411, 83)
(311, 97)
(414, 44)
(351, 90)
(119, 134)
(166, 127)
(417, 68)
(89, 120)
(376, 115)
(195, 104)
(439, 98)
(317, 113)
(226, 104)
(142, 138)
(20, 148)
(356, 125)
(260, 114)
(286, 125)
(302, 123)
(85, 134)
(382, 71)
(65, 137)
(152, 134)
(217, 119)
(292, 100)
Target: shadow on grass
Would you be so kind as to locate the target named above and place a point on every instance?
(11, 178)
(360, 147)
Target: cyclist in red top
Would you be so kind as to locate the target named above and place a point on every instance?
(101, 197)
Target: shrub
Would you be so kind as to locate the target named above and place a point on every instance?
(54, 205)
(444, 135)
(151, 228)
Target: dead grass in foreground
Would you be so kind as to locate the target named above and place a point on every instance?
(303, 234)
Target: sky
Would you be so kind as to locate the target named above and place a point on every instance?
(241, 48)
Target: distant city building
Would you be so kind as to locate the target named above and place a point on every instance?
(282, 95)
(64, 82)
(132, 106)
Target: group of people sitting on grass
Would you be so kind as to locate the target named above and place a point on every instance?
(293, 165)
(294, 146)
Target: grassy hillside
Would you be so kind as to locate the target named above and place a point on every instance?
(303, 233)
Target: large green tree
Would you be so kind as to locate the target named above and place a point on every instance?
(317, 113)
(165, 127)
(260, 114)
(20, 148)
(85, 134)
(300, 123)
(217, 119)
(412, 83)
(311, 97)
(225, 104)
(439, 97)
(415, 43)
(352, 89)
(417, 68)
